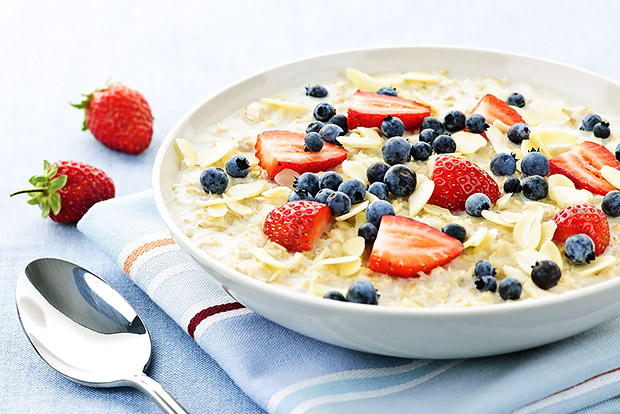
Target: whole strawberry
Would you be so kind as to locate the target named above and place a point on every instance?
(119, 117)
(67, 189)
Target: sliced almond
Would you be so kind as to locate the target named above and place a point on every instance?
(418, 97)
(360, 218)
(364, 81)
(529, 118)
(217, 152)
(503, 200)
(354, 246)
(354, 210)
(476, 238)
(612, 145)
(501, 126)
(556, 136)
(247, 190)
(419, 198)
(559, 180)
(421, 178)
(347, 269)
(493, 217)
(355, 169)
(566, 196)
(239, 208)
(276, 192)
(527, 230)
(297, 107)
(550, 250)
(526, 146)
(356, 141)
(539, 144)
(516, 273)
(547, 112)
(547, 230)
(488, 238)
(498, 140)
(320, 289)
(337, 260)
(533, 291)
(266, 258)
(371, 197)
(186, 152)
(218, 210)
(596, 266)
(510, 217)
(218, 200)
(369, 133)
(612, 175)
(252, 160)
(468, 143)
(528, 258)
(421, 77)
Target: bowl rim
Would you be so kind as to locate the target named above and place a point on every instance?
(293, 296)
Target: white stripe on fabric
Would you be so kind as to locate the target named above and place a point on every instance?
(145, 257)
(162, 276)
(207, 322)
(134, 244)
(315, 402)
(197, 307)
(277, 398)
(590, 385)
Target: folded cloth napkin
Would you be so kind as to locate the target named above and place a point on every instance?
(286, 372)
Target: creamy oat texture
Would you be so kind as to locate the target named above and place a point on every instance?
(513, 235)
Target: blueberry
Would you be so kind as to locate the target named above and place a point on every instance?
(316, 91)
(392, 127)
(601, 130)
(579, 249)
(354, 189)
(421, 151)
(214, 180)
(379, 189)
(510, 288)
(384, 90)
(476, 203)
(238, 166)
(331, 180)
(503, 164)
(535, 187)
(444, 144)
(432, 123)
(454, 121)
(376, 210)
(484, 268)
(299, 195)
(396, 151)
(322, 195)
(546, 274)
(323, 112)
(362, 291)
(314, 126)
(535, 163)
(516, 99)
(618, 152)
(307, 182)
(401, 180)
(512, 185)
(376, 171)
(334, 295)
(313, 142)
(611, 204)
(518, 132)
(486, 283)
(476, 124)
(588, 122)
(428, 135)
(341, 121)
(330, 133)
(339, 203)
(368, 232)
(455, 230)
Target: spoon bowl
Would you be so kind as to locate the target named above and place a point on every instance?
(85, 329)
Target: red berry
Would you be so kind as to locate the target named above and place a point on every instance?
(583, 219)
(492, 108)
(119, 117)
(456, 178)
(297, 225)
(369, 109)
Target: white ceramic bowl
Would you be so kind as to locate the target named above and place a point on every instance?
(406, 332)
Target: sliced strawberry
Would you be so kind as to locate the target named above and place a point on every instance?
(492, 108)
(297, 225)
(583, 166)
(278, 150)
(404, 247)
(368, 109)
(456, 178)
(583, 219)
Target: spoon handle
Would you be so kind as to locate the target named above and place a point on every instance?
(157, 393)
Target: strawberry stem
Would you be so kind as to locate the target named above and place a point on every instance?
(32, 190)
(45, 192)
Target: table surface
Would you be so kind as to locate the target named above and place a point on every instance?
(176, 53)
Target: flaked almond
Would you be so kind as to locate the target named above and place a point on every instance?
(357, 141)
(552, 136)
(539, 144)
(550, 250)
(276, 192)
(364, 81)
(218, 210)
(528, 258)
(468, 143)
(360, 218)
(498, 140)
(599, 264)
(266, 258)
(503, 200)
(486, 241)
(320, 289)
(527, 230)
(566, 196)
(510, 217)
(493, 217)
(547, 112)
(476, 238)
(347, 269)
(559, 180)
(501, 126)
(247, 190)
(529, 118)
(419, 198)
(355, 169)
(438, 211)
(239, 208)
(217, 152)
(186, 152)
(354, 210)
(291, 106)
(337, 260)
(612, 175)
(547, 230)
(354, 246)
(421, 77)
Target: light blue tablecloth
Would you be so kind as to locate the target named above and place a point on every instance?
(176, 53)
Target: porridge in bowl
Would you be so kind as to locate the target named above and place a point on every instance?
(433, 191)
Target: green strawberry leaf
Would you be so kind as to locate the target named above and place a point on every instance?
(45, 191)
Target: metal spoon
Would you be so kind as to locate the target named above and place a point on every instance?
(85, 329)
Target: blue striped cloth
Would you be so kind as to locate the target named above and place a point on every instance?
(285, 372)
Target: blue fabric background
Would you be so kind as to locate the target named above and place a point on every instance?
(177, 53)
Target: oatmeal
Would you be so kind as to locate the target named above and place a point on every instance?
(517, 231)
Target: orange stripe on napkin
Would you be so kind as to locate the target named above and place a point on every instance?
(143, 249)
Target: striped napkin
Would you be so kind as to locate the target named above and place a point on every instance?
(285, 372)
